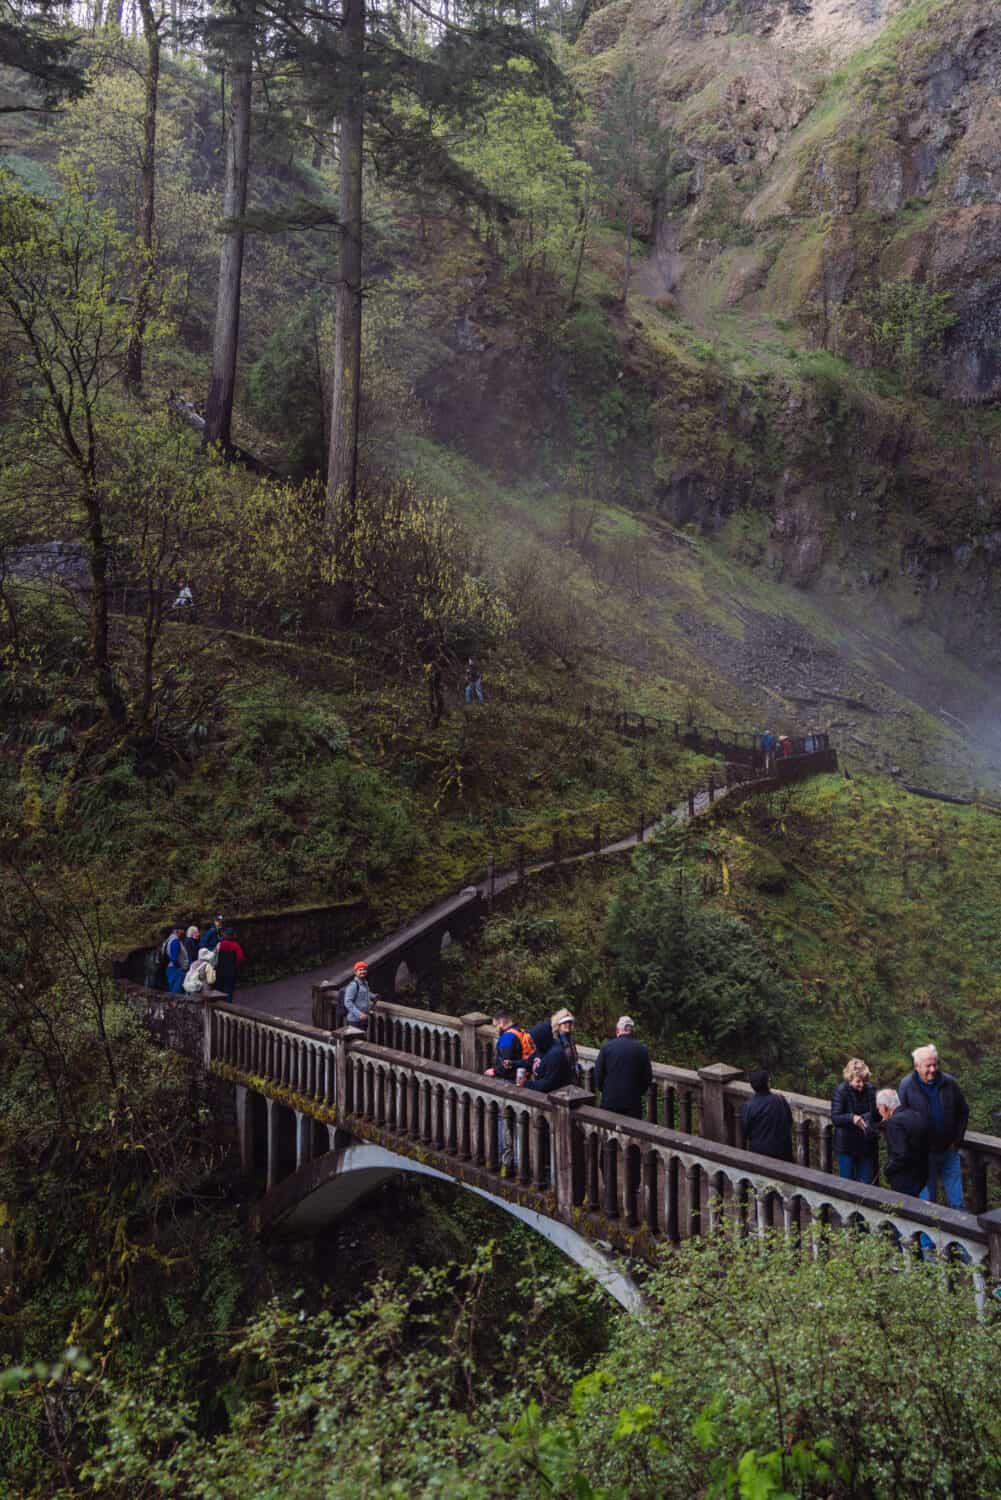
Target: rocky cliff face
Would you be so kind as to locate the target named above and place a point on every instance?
(824, 153)
(822, 149)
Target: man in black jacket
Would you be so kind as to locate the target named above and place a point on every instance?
(938, 1099)
(766, 1120)
(623, 1072)
(906, 1135)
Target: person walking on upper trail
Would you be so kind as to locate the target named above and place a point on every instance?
(623, 1072)
(191, 943)
(768, 745)
(906, 1134)
(854, 1117)
(177, 961)
(938, 1099)
(229, 957)
(766, 1120)
(474, 682)
(358, 998)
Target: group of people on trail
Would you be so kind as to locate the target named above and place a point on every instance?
(544, 1058)
(780, 747)
(922, 1124)
(191, 960)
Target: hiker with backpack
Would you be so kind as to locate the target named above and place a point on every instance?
(176, 954)
(515, 1048)
(357, 1000)
(513, 1057)
(201, 975)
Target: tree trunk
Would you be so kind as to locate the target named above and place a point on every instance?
(147, 199)
(97, 557)
(219, 409)
(585, 215)
(629, 254)
(342, 474)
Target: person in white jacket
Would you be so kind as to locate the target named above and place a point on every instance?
(201, 974)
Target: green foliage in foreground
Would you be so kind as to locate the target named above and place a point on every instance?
(758, 1370)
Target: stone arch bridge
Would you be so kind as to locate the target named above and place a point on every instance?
(325, 1116)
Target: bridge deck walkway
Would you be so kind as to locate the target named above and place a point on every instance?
(290, 998)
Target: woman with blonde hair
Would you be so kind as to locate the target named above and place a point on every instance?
(854, 1117)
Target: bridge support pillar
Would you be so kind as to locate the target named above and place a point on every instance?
(568, 1152)
(992, 1224)
(470, 1025)
(303, 1139)
(244, 1130)
(272, 1176)
(713, 1104)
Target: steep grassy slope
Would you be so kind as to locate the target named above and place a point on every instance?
(682, 624)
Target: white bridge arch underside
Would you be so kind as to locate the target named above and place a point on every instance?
(363, 1167)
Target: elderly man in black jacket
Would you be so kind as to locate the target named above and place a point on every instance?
(623, 1071)
(766, 1120)
(938, 1099)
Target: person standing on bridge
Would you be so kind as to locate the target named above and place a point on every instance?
(229, 957)
(358, 998)
(938, 1099)
(515, 1048)
(766, 1120)
(906, 1134)
(177, 960)
(623, 1072)
(513, 1057)
(558, 1064)
(212, 934)
(853, 1115)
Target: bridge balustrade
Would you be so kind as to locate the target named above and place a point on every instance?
(297, 1058)
(636, 1182)
(675, 1098)
(438, 1109)
(421, 1033)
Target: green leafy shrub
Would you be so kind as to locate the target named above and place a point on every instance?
(691, 970)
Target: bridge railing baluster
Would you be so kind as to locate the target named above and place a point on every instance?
(525, 1146)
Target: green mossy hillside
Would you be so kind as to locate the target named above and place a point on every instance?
(878, 907)
(286, 776)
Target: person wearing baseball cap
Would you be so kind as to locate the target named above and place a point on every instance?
(358, 998)
(558, 1065)
(623, 1072)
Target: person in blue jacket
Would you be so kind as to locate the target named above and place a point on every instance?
(177, 961)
